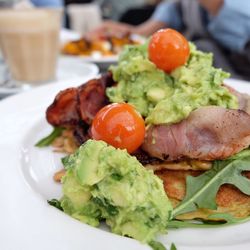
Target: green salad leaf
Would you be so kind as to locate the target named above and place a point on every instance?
(201, 190)
(225, 220)
(228, 218)
(46, 141)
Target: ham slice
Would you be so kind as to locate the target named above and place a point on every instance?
(243, 99)
(208, 133)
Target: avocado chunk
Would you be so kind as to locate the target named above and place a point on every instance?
(164, 98)
(104, 183)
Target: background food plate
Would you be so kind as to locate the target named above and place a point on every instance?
(28, 222)
(102, 61)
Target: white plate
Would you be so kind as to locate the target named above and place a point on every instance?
(103, 62)
(71, 69)
(27, 222)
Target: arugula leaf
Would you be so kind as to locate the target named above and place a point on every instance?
(46, 141)
(241, 154)
(193, 224)
(227, 219)
(201, 190)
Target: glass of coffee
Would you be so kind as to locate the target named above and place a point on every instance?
(29, 40)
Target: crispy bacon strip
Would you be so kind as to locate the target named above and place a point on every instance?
(63, 111)
(91, 99)
(74, 105)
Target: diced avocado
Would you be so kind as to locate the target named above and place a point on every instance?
(156, 94)
(86, 165)
(168, 98)
(107, 183)
(72, 189)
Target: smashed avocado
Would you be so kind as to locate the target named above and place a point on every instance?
(104, 183)
(168, 98)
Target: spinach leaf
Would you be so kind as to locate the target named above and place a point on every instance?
(46, 141)
(201, 190)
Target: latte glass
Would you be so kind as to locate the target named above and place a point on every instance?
(29, 40)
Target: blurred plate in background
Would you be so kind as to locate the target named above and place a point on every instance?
(74, 70)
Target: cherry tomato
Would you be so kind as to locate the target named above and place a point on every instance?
(168, 49)
(120, 125)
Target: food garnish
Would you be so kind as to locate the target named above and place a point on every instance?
(120, 125)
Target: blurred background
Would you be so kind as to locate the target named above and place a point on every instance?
(218, 26)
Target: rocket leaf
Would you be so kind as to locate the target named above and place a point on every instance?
(46, 141)
(225, 220)
(201, 190)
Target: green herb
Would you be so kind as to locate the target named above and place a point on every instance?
(55, 203)
(156, 245)
(46, 141)
(64, 160)
(116, 176)
(110, 209)
(201, 190)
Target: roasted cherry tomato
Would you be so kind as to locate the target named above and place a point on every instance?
(120, 125)
(168, 49)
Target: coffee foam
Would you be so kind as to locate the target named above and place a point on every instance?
(32, 19)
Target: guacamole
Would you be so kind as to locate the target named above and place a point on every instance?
(168, 98)
(104, 183)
